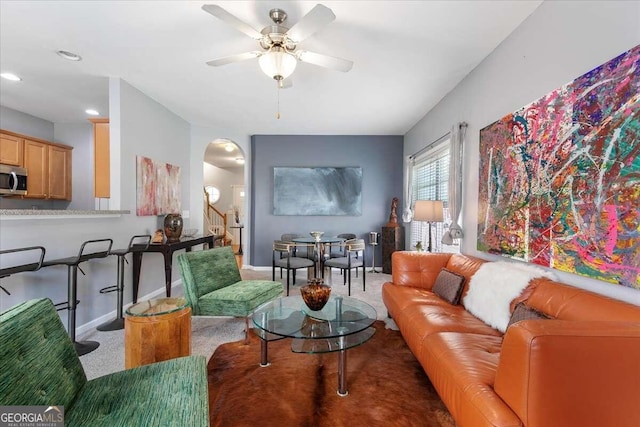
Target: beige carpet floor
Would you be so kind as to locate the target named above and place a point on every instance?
(207, 333)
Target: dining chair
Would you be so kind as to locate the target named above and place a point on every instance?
(341, 248)
(284, 257)
(354, 258)
(288, 237)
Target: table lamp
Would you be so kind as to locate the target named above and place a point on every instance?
(429, 211)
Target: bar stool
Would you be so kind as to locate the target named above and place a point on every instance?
(32, 266)
(138, 243)
(72, 263)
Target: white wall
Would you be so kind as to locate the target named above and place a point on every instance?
(223, 179)
(557, 43)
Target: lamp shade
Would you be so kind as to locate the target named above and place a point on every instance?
(277, 63)
(428, 210)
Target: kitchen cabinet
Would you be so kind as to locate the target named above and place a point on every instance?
(101, 162)
(11, 149)
(49, 170)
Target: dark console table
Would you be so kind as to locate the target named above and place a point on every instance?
(166, 249)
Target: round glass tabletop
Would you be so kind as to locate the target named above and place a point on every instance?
(154, 307)
(289, 317)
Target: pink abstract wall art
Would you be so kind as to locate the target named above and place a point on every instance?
(157, 187)
(560, 177)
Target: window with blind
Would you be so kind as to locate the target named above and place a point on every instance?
(430, 181)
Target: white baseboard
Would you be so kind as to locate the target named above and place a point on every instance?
(90, 326)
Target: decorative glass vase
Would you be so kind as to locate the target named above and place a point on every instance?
(315, 294)
(173, 227)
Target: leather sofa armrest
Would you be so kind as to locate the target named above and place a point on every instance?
(582, 373)
(417, 269)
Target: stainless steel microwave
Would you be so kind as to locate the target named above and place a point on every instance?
(13, 180)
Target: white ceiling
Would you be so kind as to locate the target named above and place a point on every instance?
(408, 55)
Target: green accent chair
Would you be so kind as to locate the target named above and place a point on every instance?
(213, 285)
(40, 366)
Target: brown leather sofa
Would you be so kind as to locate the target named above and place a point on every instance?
(580, 368)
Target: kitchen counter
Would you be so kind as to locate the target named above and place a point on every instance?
(12, 214)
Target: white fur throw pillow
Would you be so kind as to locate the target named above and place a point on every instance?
(494, 285)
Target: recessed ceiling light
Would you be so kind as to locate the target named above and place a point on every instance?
(92, 112)
(229, 147)
(69, 55)
(10, 76)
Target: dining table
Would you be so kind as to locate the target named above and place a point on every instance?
(319, 248)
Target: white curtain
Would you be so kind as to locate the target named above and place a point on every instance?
(458, 133)
(407, 214)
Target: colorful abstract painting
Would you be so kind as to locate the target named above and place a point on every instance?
(157, 187)
(560, 177)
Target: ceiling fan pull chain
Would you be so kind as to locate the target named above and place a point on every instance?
(278, 89)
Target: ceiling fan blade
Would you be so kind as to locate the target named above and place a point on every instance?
(230, 19)
(326, 61)
(317, 18)
(233, 58)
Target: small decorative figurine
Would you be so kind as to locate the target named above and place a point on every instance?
(393, 217)
(158, 237)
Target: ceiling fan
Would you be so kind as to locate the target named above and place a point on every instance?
(279, 55)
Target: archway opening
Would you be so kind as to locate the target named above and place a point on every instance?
(224, 192)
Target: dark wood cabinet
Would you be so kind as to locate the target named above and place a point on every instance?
(392, 240)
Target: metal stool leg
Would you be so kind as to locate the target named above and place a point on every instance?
(118, 322)
(137, 245)
(82, 347)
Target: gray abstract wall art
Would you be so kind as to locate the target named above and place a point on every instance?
(317, 191)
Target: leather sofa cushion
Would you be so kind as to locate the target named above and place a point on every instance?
(566, 302)
(462, 368)
(397, 298)
(419, 313)
(416, 270)
(557, 373)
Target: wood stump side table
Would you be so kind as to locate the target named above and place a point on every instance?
(156, 330)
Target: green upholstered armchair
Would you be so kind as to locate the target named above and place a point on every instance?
(40, 367)
(213, 286)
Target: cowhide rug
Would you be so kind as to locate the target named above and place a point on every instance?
(386, 384)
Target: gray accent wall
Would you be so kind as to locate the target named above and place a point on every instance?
(380, 158)
(558, 42)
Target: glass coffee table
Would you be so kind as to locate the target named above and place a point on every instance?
(343, 323)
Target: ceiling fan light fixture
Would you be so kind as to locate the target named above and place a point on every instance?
(278, 63)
